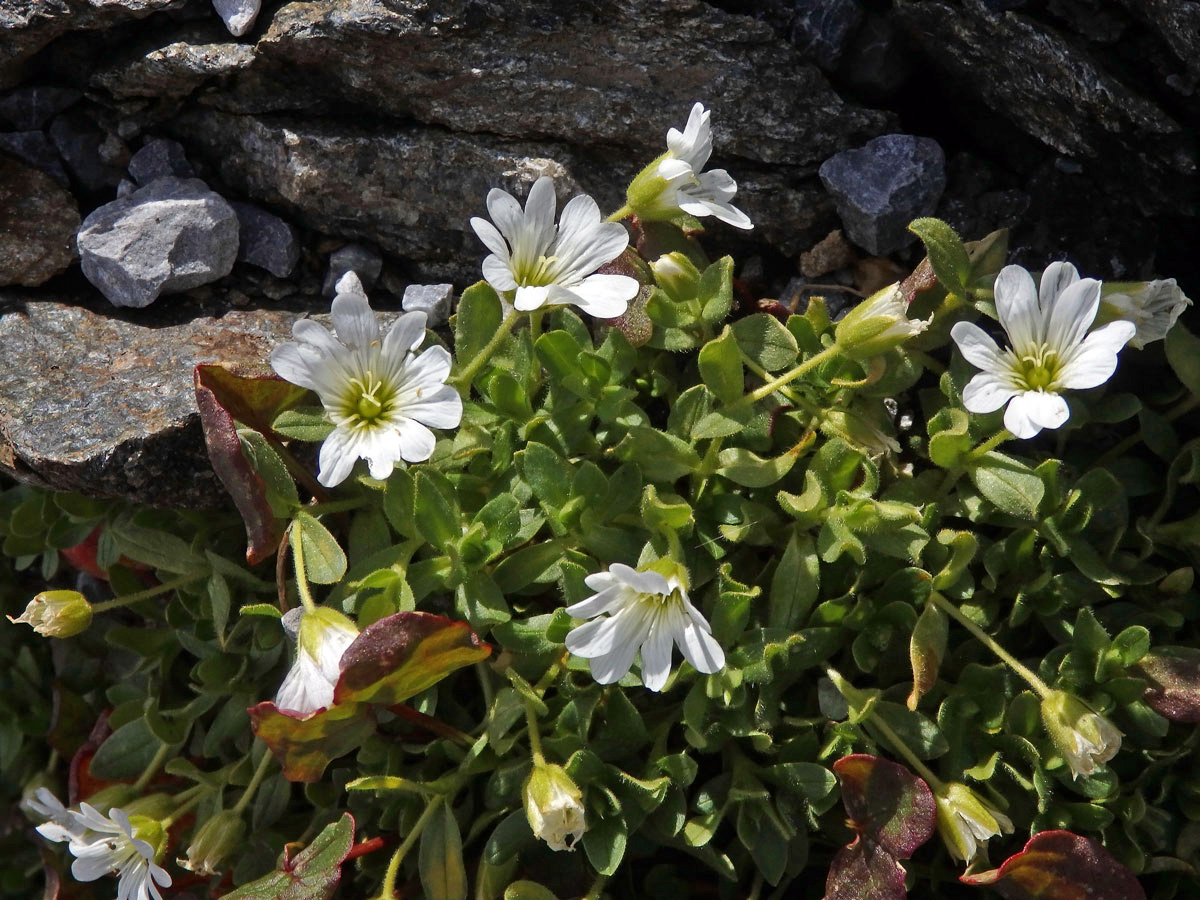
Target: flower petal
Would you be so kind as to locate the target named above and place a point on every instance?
(605, 296)
(531, 297)
(986, 393)
(642, 582)
(405, 335)
(1072, 315)
(506, 213)
(337, 457)
(1094, 360)
(497, 273)
(608, 600)
(1017, 308)
(440, 408)
(416, 441)
(700, 648)
(1056, 278)
(491, 237)
(353, 319)
(305, 689)
(656, 654)
(978, 348)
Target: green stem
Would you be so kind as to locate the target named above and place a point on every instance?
(535, 734)
(708, 467)
(464, 378)
(790, 375)
(165, 587)
(298, 470)
(255, 780)
(306, 597)
(990, 444)
(988, 641)
(197, 794)
(151, 770)
(623, 213)
(388, 891)
(334, 506)
(597, 888)
(535, 324)
(1120, 449)
(956, 473)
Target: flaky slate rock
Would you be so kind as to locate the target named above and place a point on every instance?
(109, 410)
(188, 60)
(34, 148)
(265, 240)
(362, 261)
(38, 220)
(882, 186)
(79, 142)
(158, 158)
(172, 235)
(821, 28)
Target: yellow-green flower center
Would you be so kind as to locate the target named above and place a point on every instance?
(537, 273)
(1039, 370)
(367, 399)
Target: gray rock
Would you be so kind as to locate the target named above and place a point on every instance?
(362, 261)
(881, 187)
(38, 219)
(35, 148)
(238, 15)
(78, 140)
(126, 187)
(192, 58)
(874, 64)
(822, 27)
(434, 300)
(30, 107)
(112, 410)
(169, 236)
(158, 158)
(266, 240)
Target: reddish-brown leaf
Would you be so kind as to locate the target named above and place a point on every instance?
(305, 744)
(312, 874)
(1174, 676)
(886, 803)
(864, 871)
(252, 395)
(1059, 865)
(401, 655)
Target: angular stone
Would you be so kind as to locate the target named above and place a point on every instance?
(265, 240)
(190, 59)
(30, 107)
(158, 158)
(169, 236)
(822, 27)
(434, 300)
(38, 220)
(362, 261)
(103, 405)
(874, 63)
(35, 148)
(238, 15)
(79, 140)
(881, 187)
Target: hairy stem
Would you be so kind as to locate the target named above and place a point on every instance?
(1043, 690)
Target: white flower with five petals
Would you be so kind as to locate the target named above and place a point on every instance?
(322, 636)
(381, 397)
(542, 264)
(645, 611)
(676, 181)
(1051, 350)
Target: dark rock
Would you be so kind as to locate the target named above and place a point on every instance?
(169, 236)
(266, 240)
(362, 261)
(432, 299)
(31, 107)
(35, 148)
(38, 219)
(822, 27)
(78, 140)
(158, 158)
(112, 410)
(189, 59)
(881, 187)
(1053, 87)
(238, 15)
(875, 65)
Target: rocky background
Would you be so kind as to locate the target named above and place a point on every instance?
(225, 164)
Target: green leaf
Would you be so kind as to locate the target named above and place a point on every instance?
(528, 890)
(312, 875)
(796, 582)
(926, 649)
(721, 367)
(1010, 486)
(748, 469)
(126, 752)
(604, 843)
(476, 321)
(324, 560)
(480, 602)
(764, 339)
(547, 473)
(440, 862)
(715, 291)
(281, 489)
(1183, 355)
(950, 437)
(661, 456)
(435, 508)
(946, 253)
(527, 565)
(304, 423)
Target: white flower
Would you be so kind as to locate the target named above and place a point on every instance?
(1152, 306)
(554, 806)
(59, 614)
(322, 636)
(675, 181)
(1050, 352)
(877, 324)
(1085, 739)
(115, 844)
(547, 265)
(60, 824)
(379, 395)
(966, 821)
(646, 611)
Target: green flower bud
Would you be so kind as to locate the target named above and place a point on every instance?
(677, 275)
(1084, 738)
(151, 831)
(554, 807)
(59, 614)
(213, 842)
(645, 195)
(965, 820)
(878, 324)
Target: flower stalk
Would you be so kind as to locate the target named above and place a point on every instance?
(1043, 690)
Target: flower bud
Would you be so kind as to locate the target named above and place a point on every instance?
(878, 324)
(1152, 307)
(554, 807)
(677, 275)
(1084, 738)
(965, 820)
(647, 192)
(213, 842)
(151, 831)
(59, 614)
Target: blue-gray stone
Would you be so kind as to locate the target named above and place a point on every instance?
(432, 299)
(822, 27)
(266, 240)
(362, 261)
(158, 158)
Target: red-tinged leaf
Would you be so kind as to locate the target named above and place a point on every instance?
(305, 744)
(1174, 676)
(886, 803)
(312, 874)
(252, 395)
(402, 654)
(244, 484)
(865, 871)
(1059, 865)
